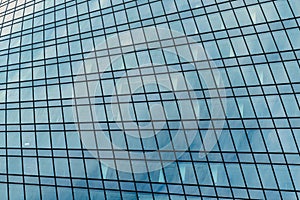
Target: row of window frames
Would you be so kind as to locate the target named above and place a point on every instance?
(208, 35)
(214, 156)
(180, 25)
(237, 91)
(171, 59)
(169, 174)
(48, 192)
(236, 76)
(85, 23)
(63, 192)
(78, 189)
(158, 190)
(264, 123)
(282, 140)
(175, 125)
(244, 108)
(66, 99)
(143, 59)
(243, 12)
(189, 25)
(236, 124)
(80, 7)
(139, 95)
(240, 60)
(122, 14)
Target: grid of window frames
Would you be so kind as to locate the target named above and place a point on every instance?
(254, 44)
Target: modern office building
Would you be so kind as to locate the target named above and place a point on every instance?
(149, 99)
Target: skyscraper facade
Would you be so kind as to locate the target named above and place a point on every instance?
(149, 99)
